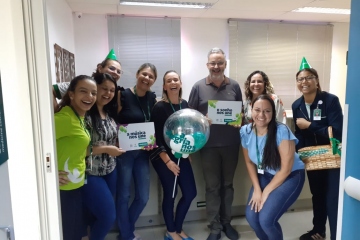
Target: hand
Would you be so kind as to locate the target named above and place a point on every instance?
(114, 151)
(255, 201)
(149, 148)
(264, 197)
(302, 123)
(63, 179)
(172, 166)
(209, 119)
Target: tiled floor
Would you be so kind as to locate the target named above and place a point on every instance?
(293, 224)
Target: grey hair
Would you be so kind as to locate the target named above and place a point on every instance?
(216, 50)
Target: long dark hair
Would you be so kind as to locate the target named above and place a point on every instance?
(110, 108)
(271, 156)
(66, 101)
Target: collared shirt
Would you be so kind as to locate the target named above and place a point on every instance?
(204, 90)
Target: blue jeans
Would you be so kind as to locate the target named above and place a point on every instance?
(98, 198)
(131, 165)
(265, 223)
(186, 182)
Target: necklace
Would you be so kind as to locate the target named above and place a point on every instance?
(173, 106)
(259, 165)
(148, 106)
(81, 122)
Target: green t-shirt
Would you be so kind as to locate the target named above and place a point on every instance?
(72, 141)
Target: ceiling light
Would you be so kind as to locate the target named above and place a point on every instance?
(165, 4)
(322, 10)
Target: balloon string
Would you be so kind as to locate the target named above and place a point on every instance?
(173, 195)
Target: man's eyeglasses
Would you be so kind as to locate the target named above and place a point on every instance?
(213, 64)
(116, 70)
(308, 78)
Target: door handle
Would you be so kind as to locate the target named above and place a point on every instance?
(7, 230)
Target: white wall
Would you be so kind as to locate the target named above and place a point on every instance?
(338, 60)
(198, 36)
(60, 29)
(91, 42)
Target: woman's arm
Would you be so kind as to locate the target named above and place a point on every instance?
(334, 118)
(252, 170)
(287, 152)
(108, 149)
(119, 101)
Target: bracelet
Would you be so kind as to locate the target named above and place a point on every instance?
(167, 162)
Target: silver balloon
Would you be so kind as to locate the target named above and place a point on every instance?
(186, 131)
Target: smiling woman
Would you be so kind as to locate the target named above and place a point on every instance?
(72, 141)
(258, 83)
(275, 169)
(135, 106)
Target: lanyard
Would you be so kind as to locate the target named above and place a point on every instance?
(81, 123)
(173, 106)
(257, 151)
(148, 106)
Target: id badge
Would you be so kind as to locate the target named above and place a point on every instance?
(260, 170)
(317, 114)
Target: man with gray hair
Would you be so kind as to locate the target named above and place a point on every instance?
(219, 156)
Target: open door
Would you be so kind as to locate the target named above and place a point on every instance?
(29, 200)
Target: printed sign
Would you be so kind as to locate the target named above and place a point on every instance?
(225, 112)
(3, 141)
(137, 136)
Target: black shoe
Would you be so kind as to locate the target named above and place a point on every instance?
(230, 232)
(214, 236)
(311, 235)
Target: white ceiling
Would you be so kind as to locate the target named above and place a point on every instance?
(269, 10)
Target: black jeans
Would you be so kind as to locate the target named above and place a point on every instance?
(219, 165)
(72, 214)
(324, 187)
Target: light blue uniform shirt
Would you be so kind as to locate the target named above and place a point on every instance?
(248, 141)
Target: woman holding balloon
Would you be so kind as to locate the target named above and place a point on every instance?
(166, 164)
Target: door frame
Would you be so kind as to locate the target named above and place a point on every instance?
(29, 120)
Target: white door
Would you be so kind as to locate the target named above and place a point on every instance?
(28, 181)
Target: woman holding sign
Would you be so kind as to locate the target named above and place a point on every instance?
(165, 163)
(99, 191)
(135, 106)
(258, 83)
(275, 169)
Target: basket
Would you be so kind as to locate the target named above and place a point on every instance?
(322, 156)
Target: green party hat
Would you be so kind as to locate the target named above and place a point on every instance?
(111, 55)
(304, 64)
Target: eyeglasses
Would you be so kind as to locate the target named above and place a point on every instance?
(213, 64)
(118, 71)
(308, 78)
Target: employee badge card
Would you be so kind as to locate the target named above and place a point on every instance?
(137, 136)
(225, 112)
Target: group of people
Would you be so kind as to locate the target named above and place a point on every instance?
(95, 174)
